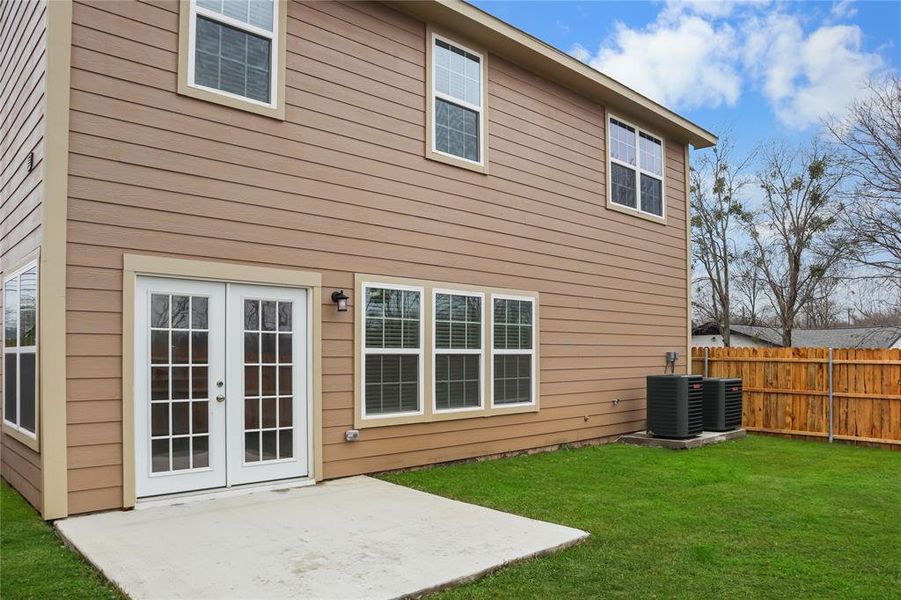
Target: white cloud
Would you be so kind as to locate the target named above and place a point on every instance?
(703, 53)
(686, 63)
(843, 9)
(580, 53)
(709, 9)
(807, 76)
(716, 9)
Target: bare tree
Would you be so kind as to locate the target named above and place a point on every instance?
(716, 184)
(869, 138)
(749, 288)
(823, 310)
(876, 304)
(703, 303)
(791, 231)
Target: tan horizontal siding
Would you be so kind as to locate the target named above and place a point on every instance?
(567, 434)
(94, 498)
(21, 467)
(22, 79)
(342, 187)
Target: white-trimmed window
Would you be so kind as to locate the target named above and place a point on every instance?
(392, 350)
(636, 168)
(458, 351)
(233, 49)
(20, 381)
(513, 350)
(458, 99)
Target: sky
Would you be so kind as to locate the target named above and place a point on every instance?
(757, 69)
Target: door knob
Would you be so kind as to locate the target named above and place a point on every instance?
(220, 398)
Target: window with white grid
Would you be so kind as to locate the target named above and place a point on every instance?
(232, 47)
(636, 168)
(458, 350)
(20, 339)
(393, 350)
(457, 115)
(513, 350)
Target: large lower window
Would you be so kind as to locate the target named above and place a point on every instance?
(392, 349)
(20, 349)
(430, 351)
(233, 48)
(458, 350)
(636, 168)
(513, 341)
(458, 96)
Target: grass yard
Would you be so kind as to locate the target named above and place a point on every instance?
(759, 517)
(34, 563)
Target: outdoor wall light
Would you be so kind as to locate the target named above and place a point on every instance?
(340, 298)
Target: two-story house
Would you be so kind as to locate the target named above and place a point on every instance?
(249, 241)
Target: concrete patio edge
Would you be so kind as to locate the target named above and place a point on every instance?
(489, 570)
(356, 537)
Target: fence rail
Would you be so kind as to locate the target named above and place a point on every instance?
(845, 393)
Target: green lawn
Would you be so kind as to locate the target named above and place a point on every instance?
(34, 563)
(759, 517)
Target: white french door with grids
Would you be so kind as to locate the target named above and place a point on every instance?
(267, 376)
(220, 385)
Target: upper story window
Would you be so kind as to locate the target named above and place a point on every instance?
(20, 296)
(636, 168)
(457, 127)
(235, 53)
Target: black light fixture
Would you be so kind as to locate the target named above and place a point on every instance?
(340, 298)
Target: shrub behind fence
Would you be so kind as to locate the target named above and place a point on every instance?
(787, 391)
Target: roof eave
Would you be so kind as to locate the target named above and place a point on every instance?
(525, 50)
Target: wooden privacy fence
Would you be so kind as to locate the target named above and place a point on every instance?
(787, 390)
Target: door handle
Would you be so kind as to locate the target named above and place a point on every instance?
(220, 398)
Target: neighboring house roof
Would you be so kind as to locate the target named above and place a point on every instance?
(527, 51)
(835, 337)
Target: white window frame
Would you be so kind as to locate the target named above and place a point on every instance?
(420, 352)
(531, 352)
(272, 36)
(436, 94)
(22, 350)
(436, 350)
(637, 169)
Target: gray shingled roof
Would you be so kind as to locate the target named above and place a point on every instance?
(837, 337)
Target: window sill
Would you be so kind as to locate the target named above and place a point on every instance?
(273, 112)
(457, 162)
(434, 417)
(634, 213)
(27, 440)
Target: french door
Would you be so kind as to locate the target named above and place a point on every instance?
(220, 385)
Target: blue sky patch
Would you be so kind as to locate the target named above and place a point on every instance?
(757, 69)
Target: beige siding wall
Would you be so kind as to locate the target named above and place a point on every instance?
(23, 40)
(342, 187)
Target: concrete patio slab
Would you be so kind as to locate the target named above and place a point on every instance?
(350, 538)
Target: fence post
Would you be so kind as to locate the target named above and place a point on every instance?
(831, 417)
(706, 354)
